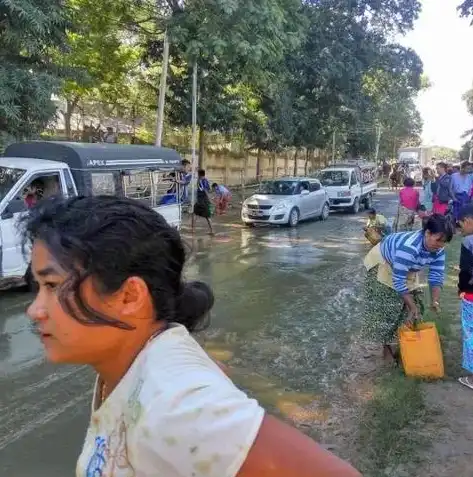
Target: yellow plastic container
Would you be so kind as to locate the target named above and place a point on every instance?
(421, 352)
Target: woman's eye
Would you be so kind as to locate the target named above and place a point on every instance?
(50, 285)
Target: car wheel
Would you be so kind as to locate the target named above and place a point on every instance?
(293, 217)
(325, 212)
(355, 208)
(368, 202)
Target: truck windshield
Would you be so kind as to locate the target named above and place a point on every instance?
(8, 178)
(280, 188)
(334, 178)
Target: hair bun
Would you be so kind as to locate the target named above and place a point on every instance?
(194, 304)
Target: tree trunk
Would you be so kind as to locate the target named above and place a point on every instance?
(258, 165)
(307, 155)
(201, 147)
(70, 108)
(296, 169)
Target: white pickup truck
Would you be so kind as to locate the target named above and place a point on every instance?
(350, 185)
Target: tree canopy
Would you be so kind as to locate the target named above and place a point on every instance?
(278, 73)
(29, 32)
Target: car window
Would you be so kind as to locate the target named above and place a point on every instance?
(280, 187)
(304, 186)
(8, 178)
(69, 183)
(354, 180)
(314, 186)
(39, 187)
(333, 178)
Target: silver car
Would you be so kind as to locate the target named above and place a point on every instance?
(286, 201)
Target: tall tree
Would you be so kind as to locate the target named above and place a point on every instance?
(236, 46)
(99, 50)
(30, 30)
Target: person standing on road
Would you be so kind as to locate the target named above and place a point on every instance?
(443, 190)
(203, 205)
(465, 291)
(462, 183)
(393, 291)
(112, 296)
(427, 192)
(184, 180)
(408, 206)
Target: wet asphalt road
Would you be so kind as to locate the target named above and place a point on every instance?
(288, 303)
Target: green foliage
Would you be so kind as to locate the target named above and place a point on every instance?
(98, 51)
(280, 73)
(238, 47)
(464, 153)
(444, 153)
(29, 32)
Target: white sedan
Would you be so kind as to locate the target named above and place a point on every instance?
(286, 202)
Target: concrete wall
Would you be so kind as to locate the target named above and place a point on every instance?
(234, 169)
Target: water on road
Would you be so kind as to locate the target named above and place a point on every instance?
(287, 306)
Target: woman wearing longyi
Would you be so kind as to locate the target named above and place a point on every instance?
(393, 293)
(111, 296)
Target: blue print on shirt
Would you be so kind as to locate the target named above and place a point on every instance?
(97, 461)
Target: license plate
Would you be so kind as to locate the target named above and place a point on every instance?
(257, 213)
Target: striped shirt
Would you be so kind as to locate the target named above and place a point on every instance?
(405, 252)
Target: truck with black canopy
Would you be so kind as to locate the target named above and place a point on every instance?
(30, 171)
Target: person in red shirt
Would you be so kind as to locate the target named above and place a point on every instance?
(408, 206)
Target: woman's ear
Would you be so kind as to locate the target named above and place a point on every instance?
(133, 297)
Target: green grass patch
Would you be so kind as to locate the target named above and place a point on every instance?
(392, 428)
(389, 441)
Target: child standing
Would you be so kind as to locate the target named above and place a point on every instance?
(465, 290)
(408, 206)
(222, 196)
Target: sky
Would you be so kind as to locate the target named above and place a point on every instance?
(442, 39)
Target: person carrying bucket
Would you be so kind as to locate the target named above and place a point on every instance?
(392, 291)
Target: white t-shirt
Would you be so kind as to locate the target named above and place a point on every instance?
(174, 414)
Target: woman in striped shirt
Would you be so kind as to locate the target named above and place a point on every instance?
(392, 288)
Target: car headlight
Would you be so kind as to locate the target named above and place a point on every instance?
(280, 206)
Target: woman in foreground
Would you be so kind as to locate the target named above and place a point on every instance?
(393, 292)
(111, 296)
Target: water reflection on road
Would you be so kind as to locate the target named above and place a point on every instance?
(287, 306)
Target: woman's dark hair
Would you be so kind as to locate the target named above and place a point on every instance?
(201, 173)
(111, 239)
(439, 224)
(408, 182)
(371, 211)
(214, 185)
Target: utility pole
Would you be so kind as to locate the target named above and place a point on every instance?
(378, 140)
(194, 141)
(334, 138)
(162, 91)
